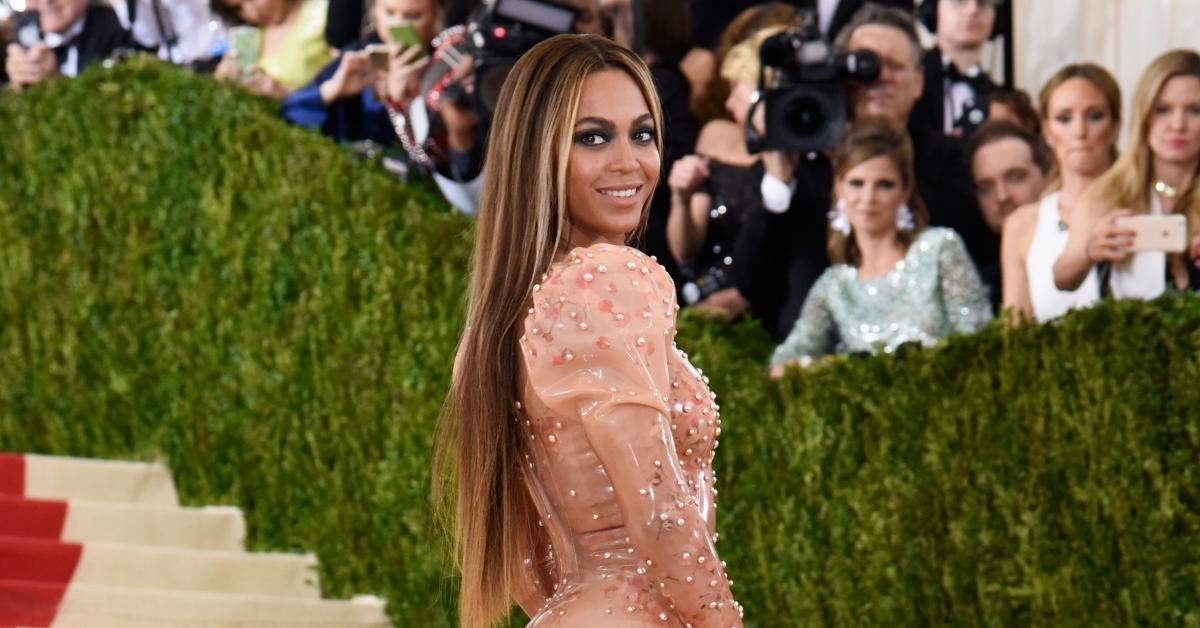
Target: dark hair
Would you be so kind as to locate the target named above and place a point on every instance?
(711, 104)
(995, 130)
(927, 14)
(668, 29)
(879, 15)
(1019, 101)
(867, 139)
(231, 16)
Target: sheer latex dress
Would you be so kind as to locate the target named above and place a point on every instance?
(621, 432)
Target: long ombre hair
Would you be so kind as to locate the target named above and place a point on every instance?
(866, 140)
(479, 492)
(1127, 183)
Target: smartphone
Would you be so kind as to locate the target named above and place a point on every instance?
(245, 42)
(407, 36)
(1157, 232)
(378, 55)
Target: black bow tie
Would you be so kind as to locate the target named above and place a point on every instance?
(954, 75)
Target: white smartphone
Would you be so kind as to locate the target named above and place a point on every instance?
(1157, 232)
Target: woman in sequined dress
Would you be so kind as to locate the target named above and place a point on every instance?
(893, 280)
(574, 454)
(712, 189)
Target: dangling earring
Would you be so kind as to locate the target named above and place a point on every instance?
(904, 218)
(838, 219)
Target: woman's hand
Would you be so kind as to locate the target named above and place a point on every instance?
(687, 174)
(259, 83)
(228, 69)
(403, 80)
(778, 371)
(1108, 242)
(353, 75)
(724, 305)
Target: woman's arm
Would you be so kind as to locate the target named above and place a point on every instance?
(1093, 238)
(964, 297)
(1014, 249)
(815, 333)
(687, 224)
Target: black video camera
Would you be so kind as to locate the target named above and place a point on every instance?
(805, 98)
(505, 32)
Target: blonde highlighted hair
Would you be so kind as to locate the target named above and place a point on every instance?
(1127, 183)
(741, 62)
(866, 140)
(479, 492)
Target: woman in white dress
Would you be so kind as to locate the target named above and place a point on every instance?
(1155, 175)
(1081, 114)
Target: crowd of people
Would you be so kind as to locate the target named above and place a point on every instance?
(948, 200)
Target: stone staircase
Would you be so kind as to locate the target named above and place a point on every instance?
(101, 543)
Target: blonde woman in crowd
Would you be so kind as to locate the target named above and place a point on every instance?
(575, 451)
(1081, 114)
(1155, 175)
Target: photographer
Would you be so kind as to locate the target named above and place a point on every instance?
(61, 38)
(346, 100)
(957, 89)
(463, 102)
(781, 247)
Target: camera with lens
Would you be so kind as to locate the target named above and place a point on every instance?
(496, 38)
(802, 84)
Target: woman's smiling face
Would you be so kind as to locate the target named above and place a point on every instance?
(614, 160)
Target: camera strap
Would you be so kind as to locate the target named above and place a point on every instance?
(754, 140)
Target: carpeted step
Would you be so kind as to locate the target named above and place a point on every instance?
(211, 528)
(54, 477)
(88, 606)
(102, 564)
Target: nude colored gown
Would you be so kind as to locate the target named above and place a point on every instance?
(621, 431)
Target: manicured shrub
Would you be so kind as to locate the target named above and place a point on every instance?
(184, 277)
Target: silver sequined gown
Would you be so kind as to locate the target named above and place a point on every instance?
(933, 292)
(621, 431)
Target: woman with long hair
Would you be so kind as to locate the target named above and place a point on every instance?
(573, 457)
(1081, 114)
(892, 280)
(1156, 174)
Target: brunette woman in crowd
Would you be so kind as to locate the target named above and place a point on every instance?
(1155, 175)
(893, 280)
(292, 44)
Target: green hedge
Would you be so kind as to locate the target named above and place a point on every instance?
(183, 277)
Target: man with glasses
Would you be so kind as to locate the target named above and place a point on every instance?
(781, 245)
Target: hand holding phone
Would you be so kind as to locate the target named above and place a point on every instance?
(1166, 233)
(378, 55)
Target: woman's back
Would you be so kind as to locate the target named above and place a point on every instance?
(620, 432)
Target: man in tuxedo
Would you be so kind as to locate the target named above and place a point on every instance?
(955, 98)
(781, 246)
(710, 18)
(60, 39)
